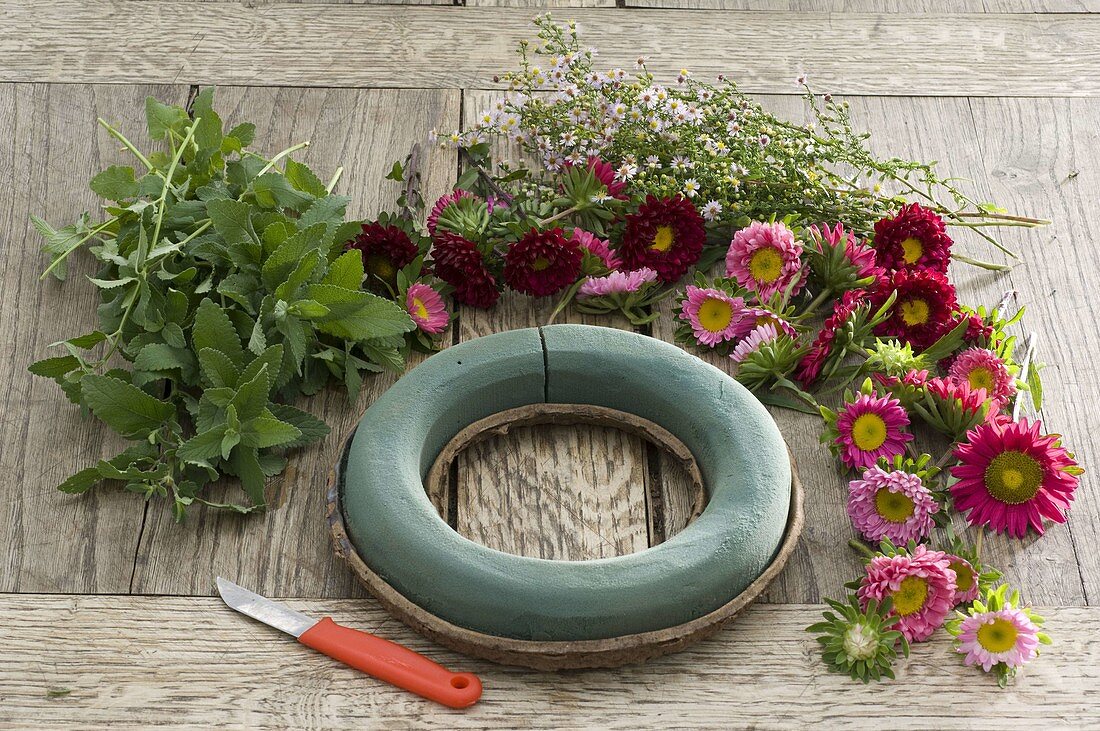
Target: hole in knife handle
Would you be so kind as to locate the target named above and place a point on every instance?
(460, 681)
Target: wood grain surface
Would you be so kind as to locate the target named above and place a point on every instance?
(145, 662)
(463, 47)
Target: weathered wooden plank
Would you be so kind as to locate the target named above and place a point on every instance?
(1039, 155)
(548, 491)
(52, 541)
(193, 663)
(228, 43)
(287, 550)
(941, 7)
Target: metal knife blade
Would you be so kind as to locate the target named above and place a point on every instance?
(272, 613)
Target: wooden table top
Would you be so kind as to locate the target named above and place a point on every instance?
(107, 607)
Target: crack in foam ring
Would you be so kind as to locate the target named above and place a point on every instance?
(397, 532)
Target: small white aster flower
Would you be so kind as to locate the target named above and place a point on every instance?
(639, 62)
(711, 210)
(691, 187)
(626, 172)
(764, 140)
(652, 161)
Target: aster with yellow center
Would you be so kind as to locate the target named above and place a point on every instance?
(915, 238)
(766, 258)
(1005, 637)
(923, 309)
(894, 506)
(966, 579)
(871, 427)
(920, 585)
(426, 308)
(982, 368)
(1010, 478)
(714, 316)
(665, 235)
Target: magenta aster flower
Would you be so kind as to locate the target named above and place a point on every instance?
(426, 308)
(441, 204)
(713, 314)
(1004, 636)
(869, 428)
(757, 316)
(921, 585)
(966, 580)
(1010, 477)
(916, 238)
(616, 283)
(542, 263)
(597, 247)
(765, 258)
(891, 505)
(983, 369)
(752, 342)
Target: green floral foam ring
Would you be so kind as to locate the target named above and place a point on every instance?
(397, 531)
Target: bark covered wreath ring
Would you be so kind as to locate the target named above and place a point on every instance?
(393, 526)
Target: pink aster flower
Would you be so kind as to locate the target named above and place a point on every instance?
(597, 247)
(713, 314)
(892, 505)
(921, 585)
(966, 580)
(983, 369)
(616, 283)
(752, 342)
(757, 316)
(441, 204)
(765, 258)
(1011, 478)
(426, 308)
(869, 428)
(1004, 636)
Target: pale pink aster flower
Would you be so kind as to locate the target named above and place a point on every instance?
(765, 258)
(426, 308)
(598, 247)
(616, 283)
(982, 368)
(752, 342)
(712, 314)
(921, 586)
(1006, 635)
(892, 505)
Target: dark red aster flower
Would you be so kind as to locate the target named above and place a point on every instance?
(915, 238)
(809, 369)
(923, 310)
(385, 250)
(458, 263)
(542, 262)
(606, 175)
(665, 235)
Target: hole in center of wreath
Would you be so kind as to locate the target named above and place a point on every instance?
(568, 492)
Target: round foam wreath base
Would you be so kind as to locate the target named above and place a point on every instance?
(558, 655)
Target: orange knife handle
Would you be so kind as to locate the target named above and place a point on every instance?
(393, 663)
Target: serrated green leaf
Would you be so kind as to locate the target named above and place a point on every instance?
(161, 118)
(302, 178)
(358, 315)
(286, 258)
(245, 464)
(213, 329)
(111, 283)
(311, 428)
(124, 407)
(116, 183)
(58, 242)
(54, 367)
(308, 309)
(232, 219)
(251, 397)
(218, 369)
(346, 271)
(271, 359)
(202, 447)
(267, 431)
(80, 482)
(243, 133)
(328, 210)
(299, 276)
(273, 190)
(164, 357)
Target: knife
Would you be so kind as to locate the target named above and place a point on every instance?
(373, 655)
